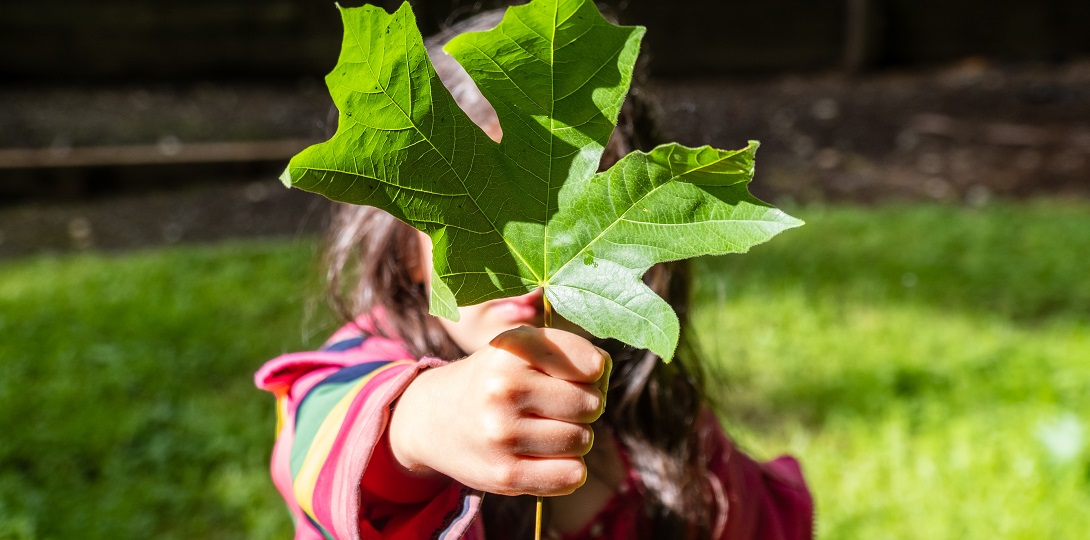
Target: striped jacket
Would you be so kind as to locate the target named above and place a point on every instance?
(333, 406)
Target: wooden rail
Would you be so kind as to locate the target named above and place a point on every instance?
(164, 153)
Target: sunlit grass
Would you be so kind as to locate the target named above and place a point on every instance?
(929, 365)
(126, 398)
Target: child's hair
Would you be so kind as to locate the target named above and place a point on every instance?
(654, 408)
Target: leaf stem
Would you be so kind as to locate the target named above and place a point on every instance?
(548, 320)
(537, 520)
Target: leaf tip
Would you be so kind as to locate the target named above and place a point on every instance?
(285, 177)
(667, 353)
(442, 302)
(437, 309)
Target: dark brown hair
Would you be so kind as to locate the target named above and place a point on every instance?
(654, 408)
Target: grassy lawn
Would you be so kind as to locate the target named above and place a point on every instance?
(126, 398)
(929, 365)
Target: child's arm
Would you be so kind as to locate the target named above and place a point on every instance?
(332, 409)
(515, 407)
(512, 418)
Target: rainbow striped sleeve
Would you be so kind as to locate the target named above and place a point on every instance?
(336, 421)
(333, 407)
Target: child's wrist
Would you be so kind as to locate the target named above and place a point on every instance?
(405, 428)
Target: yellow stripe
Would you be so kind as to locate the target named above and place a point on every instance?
(281, 408)
(323, 441)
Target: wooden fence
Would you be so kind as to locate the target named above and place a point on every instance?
(109, 40)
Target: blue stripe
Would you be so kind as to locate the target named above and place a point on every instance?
(345, 344)
(318, 527)
(445, 533)
(351, 373)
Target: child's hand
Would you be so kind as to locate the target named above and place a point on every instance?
(512, 418)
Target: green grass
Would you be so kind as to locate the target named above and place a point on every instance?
(929, 365)
(126, 394)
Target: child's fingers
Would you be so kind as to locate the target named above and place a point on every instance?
(556, 353)
(547, 477)
(541, 437)
(563, 400)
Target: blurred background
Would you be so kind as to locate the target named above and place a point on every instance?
(922, 344)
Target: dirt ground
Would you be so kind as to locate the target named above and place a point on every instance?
(962, 134)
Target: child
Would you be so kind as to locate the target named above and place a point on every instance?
(399, 424)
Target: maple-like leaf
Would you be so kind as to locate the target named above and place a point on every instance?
(529, 211)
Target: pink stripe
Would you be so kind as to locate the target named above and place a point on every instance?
(377, 347)
(281, 372)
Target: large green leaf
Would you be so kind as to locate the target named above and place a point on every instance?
(529, 211)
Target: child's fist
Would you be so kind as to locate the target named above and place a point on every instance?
(512, 418)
